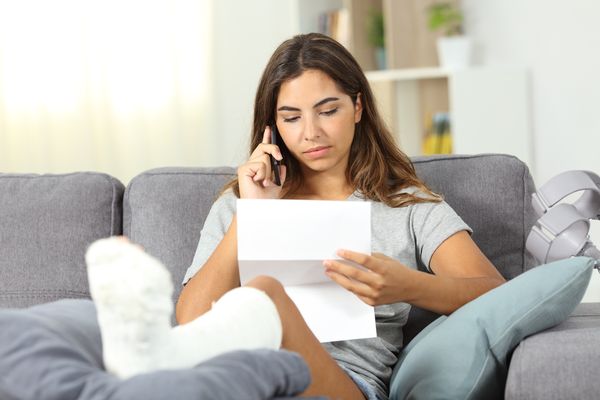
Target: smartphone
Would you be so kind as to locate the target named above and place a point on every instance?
(275, 163)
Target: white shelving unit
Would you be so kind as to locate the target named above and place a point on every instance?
(406, 74)
(489, 108)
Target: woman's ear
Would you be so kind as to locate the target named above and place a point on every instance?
(358, 108)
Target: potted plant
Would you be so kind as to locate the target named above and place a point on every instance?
(375, 34)
(454, 48)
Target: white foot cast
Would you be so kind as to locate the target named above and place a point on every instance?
(132, 292)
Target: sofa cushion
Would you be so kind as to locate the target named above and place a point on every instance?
(466, 355)
(53, 351)
(46, 224)
(492, 194)
(164, 211)
(569, 352)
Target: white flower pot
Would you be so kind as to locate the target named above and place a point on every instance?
(454, 52)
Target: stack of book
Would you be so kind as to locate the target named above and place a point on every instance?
(438, 138)
(336, 24)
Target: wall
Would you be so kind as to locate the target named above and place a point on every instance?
(245, 35)
(558, 41)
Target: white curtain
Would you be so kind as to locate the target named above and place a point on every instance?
(117, 86)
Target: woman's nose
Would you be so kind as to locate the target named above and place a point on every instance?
(311, 131)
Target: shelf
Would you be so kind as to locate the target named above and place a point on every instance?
(407, 74)
(489, 107)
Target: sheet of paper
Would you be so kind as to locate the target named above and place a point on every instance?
(332, 313)
(289, 239)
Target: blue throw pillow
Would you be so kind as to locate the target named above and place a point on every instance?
(466, 355)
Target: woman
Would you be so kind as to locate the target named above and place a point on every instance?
(334, 146)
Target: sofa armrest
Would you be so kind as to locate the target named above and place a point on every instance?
(561, 362)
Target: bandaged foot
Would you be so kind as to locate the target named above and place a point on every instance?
(132, 293)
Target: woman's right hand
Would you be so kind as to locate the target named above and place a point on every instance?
(255, 176)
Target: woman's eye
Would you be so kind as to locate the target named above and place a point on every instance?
(290, 119)
(329, 112)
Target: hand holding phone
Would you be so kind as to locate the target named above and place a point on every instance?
(262, 177)
(275, 163)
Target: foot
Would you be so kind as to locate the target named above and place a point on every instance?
(133, 295)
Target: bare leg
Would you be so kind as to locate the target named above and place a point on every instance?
(299, 338)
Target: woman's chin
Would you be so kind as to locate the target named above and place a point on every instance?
(322, 165)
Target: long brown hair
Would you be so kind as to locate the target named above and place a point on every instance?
(376, 167)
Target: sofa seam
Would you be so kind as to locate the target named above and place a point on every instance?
(39, 290)
(112, 209)
(57, 296)
(587, 315)
(519, 367)
(113, 182)
(37, 176)
(460, 157)
(126, 197)
(524, 234)
(184, 173)
(38, 293)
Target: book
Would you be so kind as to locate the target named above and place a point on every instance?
(438, 136)
(336, 24)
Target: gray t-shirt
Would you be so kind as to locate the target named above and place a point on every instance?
(408, 234)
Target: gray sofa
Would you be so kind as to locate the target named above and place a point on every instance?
(47, 222)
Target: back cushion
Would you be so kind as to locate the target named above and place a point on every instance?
(164, 211)
(492, 193)
(46, 224)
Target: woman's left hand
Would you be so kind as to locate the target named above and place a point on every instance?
(382, 281)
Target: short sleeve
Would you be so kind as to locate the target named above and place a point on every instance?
(216, 224)
(432, 224)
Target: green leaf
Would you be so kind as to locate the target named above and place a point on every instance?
(375, 28)
(445, 17)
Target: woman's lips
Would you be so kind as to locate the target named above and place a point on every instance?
(317, 152)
